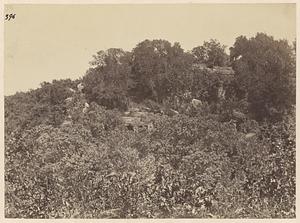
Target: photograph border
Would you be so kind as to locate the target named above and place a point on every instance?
(3, 219)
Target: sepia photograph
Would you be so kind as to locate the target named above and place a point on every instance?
(149, 111)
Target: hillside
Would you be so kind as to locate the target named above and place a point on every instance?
(158, 133)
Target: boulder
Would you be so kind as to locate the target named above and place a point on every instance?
(66, 122)
(71, 90)
(196, 103)
(146, 109)
(173, 112)
(221, 92)
(86, 107)
(238, 115)
(249, 135)
(69, 99)
(131, 120)
(84, 110)
(150, 127)
(80, 87)
(139, 114)
(112, 174)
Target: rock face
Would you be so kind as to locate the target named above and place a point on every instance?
(136, 119)
(225, 74)
(223, 70)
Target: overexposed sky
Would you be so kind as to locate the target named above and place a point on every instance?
(46, 42)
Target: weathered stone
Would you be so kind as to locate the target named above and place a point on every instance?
(221, 92)
(131, 120)
(196, 103)
(150, 127)
(173, 112)
(238, 115)
(69, 100)
(250, 135)
(66, 122)
(80, 87)
(72, 90)
(138, 114)
(84, 110)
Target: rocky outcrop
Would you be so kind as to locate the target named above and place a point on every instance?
(137, 119)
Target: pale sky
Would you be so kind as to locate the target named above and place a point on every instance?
(46, 42)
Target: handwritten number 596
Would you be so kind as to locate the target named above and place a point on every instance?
(10, 16)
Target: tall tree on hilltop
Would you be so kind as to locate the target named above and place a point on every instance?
(211, 53)
(157, 67)
(263, 68)
(106, 83)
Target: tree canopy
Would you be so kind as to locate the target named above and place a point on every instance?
(211, 53)
(264, 68)
(210, 141)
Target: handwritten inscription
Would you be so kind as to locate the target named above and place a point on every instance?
(10, 16)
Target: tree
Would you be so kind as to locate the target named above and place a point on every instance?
(107, 82)
(263, 68)
(211, 53)
(43, 105)
(157, 68)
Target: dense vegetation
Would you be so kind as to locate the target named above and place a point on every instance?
(228, 154)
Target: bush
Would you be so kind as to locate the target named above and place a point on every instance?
(76, 159)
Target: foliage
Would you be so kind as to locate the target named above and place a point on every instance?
(193, 171)
(158, 69)
(108, 81)
(45, 105)
(68, 154)
(211, 53)
(264, 67)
